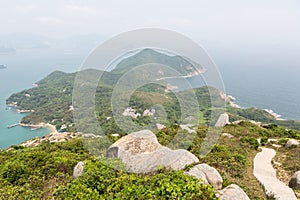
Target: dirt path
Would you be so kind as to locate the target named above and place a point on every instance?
(266, 175)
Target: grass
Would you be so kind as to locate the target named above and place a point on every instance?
(235, 164)
(151, 98)
(289, 159)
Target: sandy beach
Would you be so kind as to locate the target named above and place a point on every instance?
(53, 136)
(41, 125)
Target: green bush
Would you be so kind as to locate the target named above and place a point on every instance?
(251, 140)
(45, 172)
(102, 182)
(263, 141)
(283, 141)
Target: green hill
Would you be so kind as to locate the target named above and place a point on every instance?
(179, 63)
(52, 98)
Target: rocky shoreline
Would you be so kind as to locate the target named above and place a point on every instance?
(276, 115)
(53, 136)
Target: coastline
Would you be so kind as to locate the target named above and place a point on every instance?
(24, 111)
(189, 75)
(49, 126)
(276, 115)
(53, 136)
(231, 100)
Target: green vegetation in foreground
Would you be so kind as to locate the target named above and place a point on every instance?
(45, 172)
(233, 157)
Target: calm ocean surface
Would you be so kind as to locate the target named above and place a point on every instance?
(24, 69)
(254, 86)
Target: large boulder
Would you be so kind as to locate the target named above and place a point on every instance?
(78, 169)
(207, 174)
(141, 153)
(291, 143)
(233, 192)
(194, 171)
(222, 120)
(295, 181)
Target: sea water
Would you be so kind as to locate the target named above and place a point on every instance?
(24, 68)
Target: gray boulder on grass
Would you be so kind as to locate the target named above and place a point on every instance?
(233, 192)
(207, 174)
(194, 171)
(78, 169)
(141, 153)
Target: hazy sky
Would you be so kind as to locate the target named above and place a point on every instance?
(253, 21)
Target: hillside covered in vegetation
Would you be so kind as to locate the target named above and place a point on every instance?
(51, 100)
(45, 171)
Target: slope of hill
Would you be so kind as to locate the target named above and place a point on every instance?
(51, 101)
(180, 64)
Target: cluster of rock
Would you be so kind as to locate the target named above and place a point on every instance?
(52, 137)
(251, 121)
(131, 112)
(229, 99)
(141, 153)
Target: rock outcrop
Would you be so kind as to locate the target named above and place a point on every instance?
(291, 143)
(208, 174)
(141, 153)
(78, 169)
(194, 171)
(52, 137)
(228, 135)
(222, 120)
(295, 181)
(233, 192)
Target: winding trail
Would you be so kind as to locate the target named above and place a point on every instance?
(266, 175)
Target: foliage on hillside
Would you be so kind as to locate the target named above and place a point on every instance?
(52, 99)
(180, 64)
(45, 172)
(233, 157)
(54, 106)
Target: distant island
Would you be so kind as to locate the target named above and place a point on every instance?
(3, 67)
